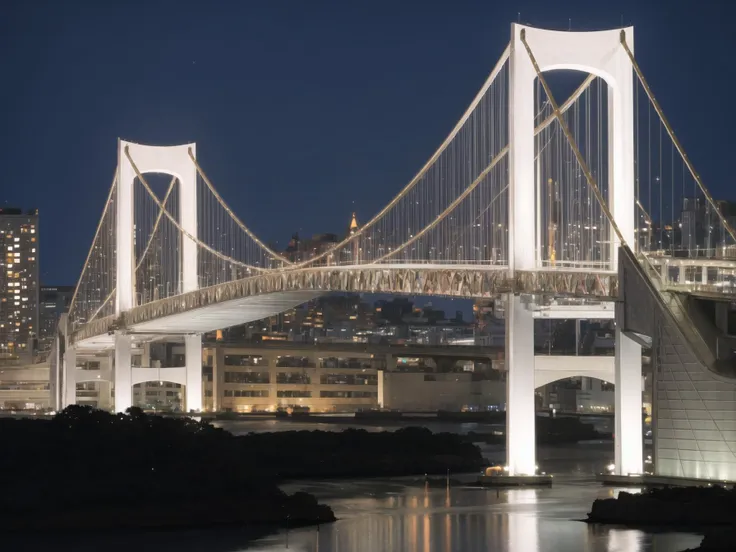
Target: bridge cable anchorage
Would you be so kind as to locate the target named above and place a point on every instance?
(178, 226)
(159, 217)
(230, 212)
(109, 201)
(427, 166)
(578, 155)
(671, 133)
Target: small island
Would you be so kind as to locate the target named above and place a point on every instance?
(92, 470)
(711, 510)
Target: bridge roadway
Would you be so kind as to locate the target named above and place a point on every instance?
(266, 294)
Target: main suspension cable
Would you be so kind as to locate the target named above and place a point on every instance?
(94, 239)
(178, 226)
(674, 139)
(230, 212)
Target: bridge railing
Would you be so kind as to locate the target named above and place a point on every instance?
(712, 275)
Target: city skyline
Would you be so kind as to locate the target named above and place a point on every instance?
(366, 137)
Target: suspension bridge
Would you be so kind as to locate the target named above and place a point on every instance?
(558, 206)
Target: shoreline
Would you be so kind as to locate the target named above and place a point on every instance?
(708, 511)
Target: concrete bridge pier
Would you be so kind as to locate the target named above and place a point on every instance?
(69, 387)
(520, 389)
(193, 364)
(629, 438)
(123, 372)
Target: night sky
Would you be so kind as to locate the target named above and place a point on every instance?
(302, 111)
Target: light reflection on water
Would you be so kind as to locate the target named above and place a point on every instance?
(393, 517)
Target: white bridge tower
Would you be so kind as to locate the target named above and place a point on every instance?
(599, 53)
(176, 162)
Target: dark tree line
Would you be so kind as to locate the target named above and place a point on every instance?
(86, 459)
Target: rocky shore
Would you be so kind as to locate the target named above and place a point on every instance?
(711, 510)
(679, 506)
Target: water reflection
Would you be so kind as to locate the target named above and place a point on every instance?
(415, 519)
(523, 532)
(392, 516)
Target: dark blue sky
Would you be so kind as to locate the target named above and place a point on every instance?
(302, 111)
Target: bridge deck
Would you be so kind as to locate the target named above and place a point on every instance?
(269, 293)
(257, 297)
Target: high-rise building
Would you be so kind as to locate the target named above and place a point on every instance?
(18, 281)
(54, 301)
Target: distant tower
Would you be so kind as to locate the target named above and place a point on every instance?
(293, 249)
(352, 229)
(353, 225)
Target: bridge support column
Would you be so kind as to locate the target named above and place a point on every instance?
(146, 356)
(218, 377)
(520, 409)
(193, 361)
(69, 393)
(628, 403)
(123, 372)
